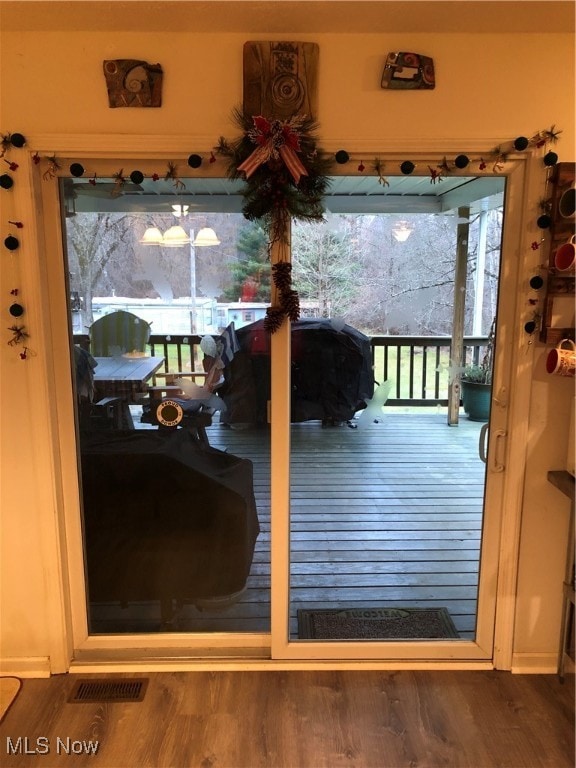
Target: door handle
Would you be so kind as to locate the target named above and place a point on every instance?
(499, 434)
(482, 442)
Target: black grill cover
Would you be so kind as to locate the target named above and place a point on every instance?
(332, 375)
(164, 517)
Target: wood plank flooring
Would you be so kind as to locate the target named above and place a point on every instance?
(406, 493)
(385, 515)
(321, 719)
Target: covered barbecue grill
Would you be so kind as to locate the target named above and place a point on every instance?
(331, 373)
(165, 518)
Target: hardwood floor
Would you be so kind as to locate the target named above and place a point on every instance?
(386, 515)
(323, 719)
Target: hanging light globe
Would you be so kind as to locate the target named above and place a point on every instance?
(402, 231)
(206, 236)
(175, 237)
(152, 236)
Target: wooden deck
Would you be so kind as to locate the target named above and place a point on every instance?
(386, 515)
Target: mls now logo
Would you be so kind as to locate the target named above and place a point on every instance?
(25, 746)
(42, 745)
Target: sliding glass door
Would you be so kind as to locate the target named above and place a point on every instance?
(387, 480)
(313, 492)
(174, 470)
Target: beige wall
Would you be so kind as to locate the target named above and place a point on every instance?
(490, 86)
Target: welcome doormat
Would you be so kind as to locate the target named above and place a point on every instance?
(375, 624)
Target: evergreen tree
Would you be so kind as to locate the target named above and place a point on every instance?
(250, 274)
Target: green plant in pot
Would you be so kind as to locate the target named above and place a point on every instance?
(476, 381)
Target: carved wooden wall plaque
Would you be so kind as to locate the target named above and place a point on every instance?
(133, 83)
(408, 72)
(281, 79)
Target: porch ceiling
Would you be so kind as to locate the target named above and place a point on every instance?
(347, 194)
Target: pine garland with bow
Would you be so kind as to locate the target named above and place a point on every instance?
(286, 177)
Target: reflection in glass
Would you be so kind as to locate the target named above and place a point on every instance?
(174, 493)
(386, 502)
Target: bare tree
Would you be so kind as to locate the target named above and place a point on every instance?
(324, 268)
(93, 239)
(394, 287)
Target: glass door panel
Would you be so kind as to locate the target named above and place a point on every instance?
(387, 499)
(174, 459)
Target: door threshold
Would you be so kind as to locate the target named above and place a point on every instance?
(243, 660)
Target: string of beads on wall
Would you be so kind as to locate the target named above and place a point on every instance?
(286, 176)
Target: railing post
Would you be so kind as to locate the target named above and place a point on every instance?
(457, 344)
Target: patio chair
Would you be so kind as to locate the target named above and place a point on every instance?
(105, 413)
(218, 352)
(118, 333)
(181, 401)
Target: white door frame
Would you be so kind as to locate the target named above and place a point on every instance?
(504, 479)
(64, 558)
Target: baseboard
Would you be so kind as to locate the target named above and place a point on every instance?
(25, 666)
(534, 663)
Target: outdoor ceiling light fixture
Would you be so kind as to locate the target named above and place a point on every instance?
(402, 231)
(180, 210)
(177, 237)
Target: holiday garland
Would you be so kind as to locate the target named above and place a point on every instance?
(286, 178)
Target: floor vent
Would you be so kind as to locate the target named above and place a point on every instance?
(108, 691)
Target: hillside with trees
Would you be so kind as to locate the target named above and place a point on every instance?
(349, 266)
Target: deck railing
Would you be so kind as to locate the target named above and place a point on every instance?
(416, 366)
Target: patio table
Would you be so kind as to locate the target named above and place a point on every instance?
(124, 377)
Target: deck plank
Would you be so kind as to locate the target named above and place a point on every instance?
(387, 515)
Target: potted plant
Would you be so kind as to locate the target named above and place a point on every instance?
(476, 381)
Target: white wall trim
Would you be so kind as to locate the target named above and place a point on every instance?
(534, 664)
(45, 448)
(525, 209)
(117, 146)
(25, 666)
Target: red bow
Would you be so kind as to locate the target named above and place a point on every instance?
(274, 139)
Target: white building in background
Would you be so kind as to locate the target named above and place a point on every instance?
(210, 317)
